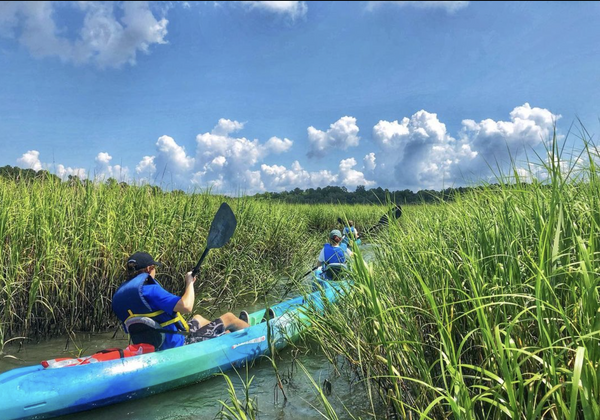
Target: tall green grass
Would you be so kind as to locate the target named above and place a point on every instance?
(63, 247)
(484, 308)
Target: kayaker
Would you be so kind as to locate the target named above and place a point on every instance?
(350, 232)
(396, 212)
(334, 255)
(152, 315)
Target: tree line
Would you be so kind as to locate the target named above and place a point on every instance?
(335, 195)
(325, 195)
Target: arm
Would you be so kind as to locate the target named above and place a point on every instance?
(321, 258)
(186, 303)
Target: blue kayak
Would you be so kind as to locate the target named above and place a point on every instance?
(35, 392)
(346, 240)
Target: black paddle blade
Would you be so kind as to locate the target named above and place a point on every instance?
(398, 212)
(222, 227)
(221, 230)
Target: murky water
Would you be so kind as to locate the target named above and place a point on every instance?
(202, 400)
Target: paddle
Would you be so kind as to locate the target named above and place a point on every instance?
(384, 220)
(311, 270)
(292, 283)
(221, 230)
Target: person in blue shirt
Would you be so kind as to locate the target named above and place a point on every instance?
(150, 314)
(350, 233)
(334, 255)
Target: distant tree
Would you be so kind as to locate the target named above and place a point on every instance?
(74, 181)
(111, 182)
(46, 176)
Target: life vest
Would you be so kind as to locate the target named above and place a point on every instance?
(335, 260)
(101, 356)
(350, 229)
(131, 308)
(349, 233)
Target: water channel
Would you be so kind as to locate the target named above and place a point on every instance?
(202, 400)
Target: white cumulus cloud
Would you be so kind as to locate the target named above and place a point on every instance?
(388, 135)
(419, 153)
(31, 160)
(110, 34)
(105, 170)
(228, 162)
(351, 177)
(277, 145)
(280, 178)
(414, 152)
(293, 9)
(145, 169)
(449, 6)
(369, 161)
(499, 141)
(172, 164)
(342, 134)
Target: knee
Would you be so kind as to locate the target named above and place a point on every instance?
(228, 318)
(201, 320)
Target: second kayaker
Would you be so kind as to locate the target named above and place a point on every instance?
(350, 233)
(334, 255)
(152, 315)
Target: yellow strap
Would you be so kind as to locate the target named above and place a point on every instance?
(150, 315)
(174, 320)
(157, 313)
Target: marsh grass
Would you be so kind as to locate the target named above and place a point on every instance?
(236, 408)
(63, 246)
(484, 308)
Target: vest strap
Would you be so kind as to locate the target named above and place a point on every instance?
(157, 313)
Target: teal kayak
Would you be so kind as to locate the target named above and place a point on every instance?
(35, 392)
(346, 240)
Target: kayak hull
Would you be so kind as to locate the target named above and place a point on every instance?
(36, 393)
(347, 241)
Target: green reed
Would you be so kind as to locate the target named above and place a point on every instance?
(246, 409)
(484, 308)
(63, 247)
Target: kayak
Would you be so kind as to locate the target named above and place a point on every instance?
(38, 392)
(346, 240)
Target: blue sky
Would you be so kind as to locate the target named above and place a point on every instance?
(270, 96)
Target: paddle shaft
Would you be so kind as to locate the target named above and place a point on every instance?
(291, 283)
(197, 267)
(311, 270)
